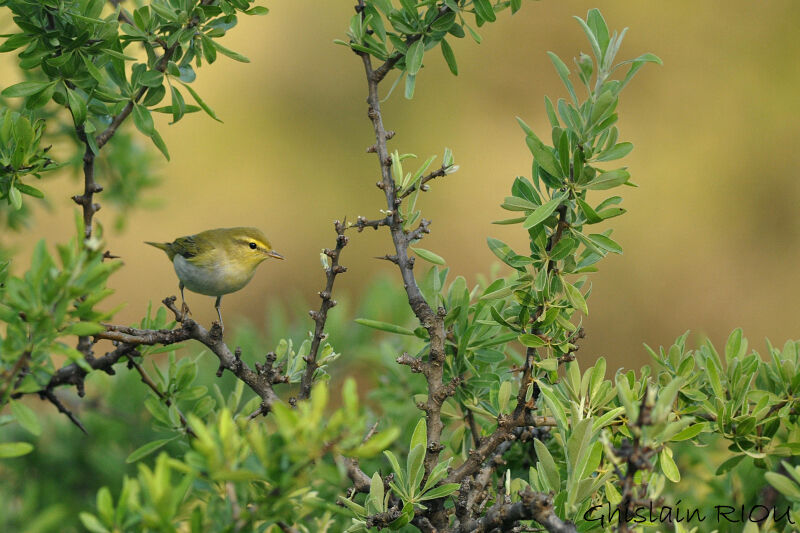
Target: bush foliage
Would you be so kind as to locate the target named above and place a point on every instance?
(483, 417)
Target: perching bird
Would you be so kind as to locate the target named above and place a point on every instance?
(217, 261)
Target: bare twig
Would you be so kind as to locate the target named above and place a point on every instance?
(50, 396)
(322, 315)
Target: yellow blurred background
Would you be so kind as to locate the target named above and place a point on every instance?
(711, 236)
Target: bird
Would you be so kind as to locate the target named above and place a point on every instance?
(217, 262)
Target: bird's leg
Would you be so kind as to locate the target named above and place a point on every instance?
(184, 308)
(219, 314)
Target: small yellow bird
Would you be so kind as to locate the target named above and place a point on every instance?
(217, 261)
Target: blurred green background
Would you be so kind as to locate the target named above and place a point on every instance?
(710, 238)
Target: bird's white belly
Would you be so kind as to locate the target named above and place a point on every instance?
(210, 281)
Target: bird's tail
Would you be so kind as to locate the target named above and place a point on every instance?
(162, 246)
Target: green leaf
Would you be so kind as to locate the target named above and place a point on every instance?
(609, 180)
(147, 449)
(544, 155)
(575, 298)
(26, 88)
(484, 10)
(143, 119)
(449, 57)
(605, 243)
(441, 491)
(668, 466)
(784, 485)
(84, 328)
(201, 102)
(420, 435)
(617, 152)
(429, 256)
(414, 56)
(230, 53)
(414, 467)
(591, 215)
(152, 78)
(77, 105)
(91, 523)
(563, 73)
(531, 341)
(689, 433)
(15, 198)
(257, 10)
(160, 144)
(384, 326)
(542, 212)
(26, 417)
(14, 449)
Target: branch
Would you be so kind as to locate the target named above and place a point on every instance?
(50, 396)
(259, 382)
(149, 382)
(322, 315)
(432, 321)
(532, 506)
(425, 179)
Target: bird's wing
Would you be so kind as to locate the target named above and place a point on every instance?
(185, 246)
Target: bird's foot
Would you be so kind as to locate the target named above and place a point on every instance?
(185, 312)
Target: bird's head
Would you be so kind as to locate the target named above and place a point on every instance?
(248, 246)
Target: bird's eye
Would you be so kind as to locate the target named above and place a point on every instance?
(253, 246)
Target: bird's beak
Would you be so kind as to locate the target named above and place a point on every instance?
(276, 255)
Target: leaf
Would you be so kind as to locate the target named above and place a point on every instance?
(411, 83)
(784, 485)
(531, 341)
(689, 433)
(609, 180)
(84, 329)
(143, 119)
(420, 435)
(77, 105)
(440, 491)
(201, 102)
(26, 417)
(449, 57)
(414, 56)
(617, 152)
(91, 523)
(668, 466)
(575, 298)
(26, 88)
(147, 449)
(384, 326)
(414, 467)
(548, 465)
(14, 449)
(429, 256)
(484, 10)
(230, 53)
(563, 73)
(605, 243)
(544, 155)
(591, 215)
(15, 198)
(542, 212)
(375, 500)
(503, 395)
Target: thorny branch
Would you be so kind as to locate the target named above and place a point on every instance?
(436, 517)
(327, 303)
